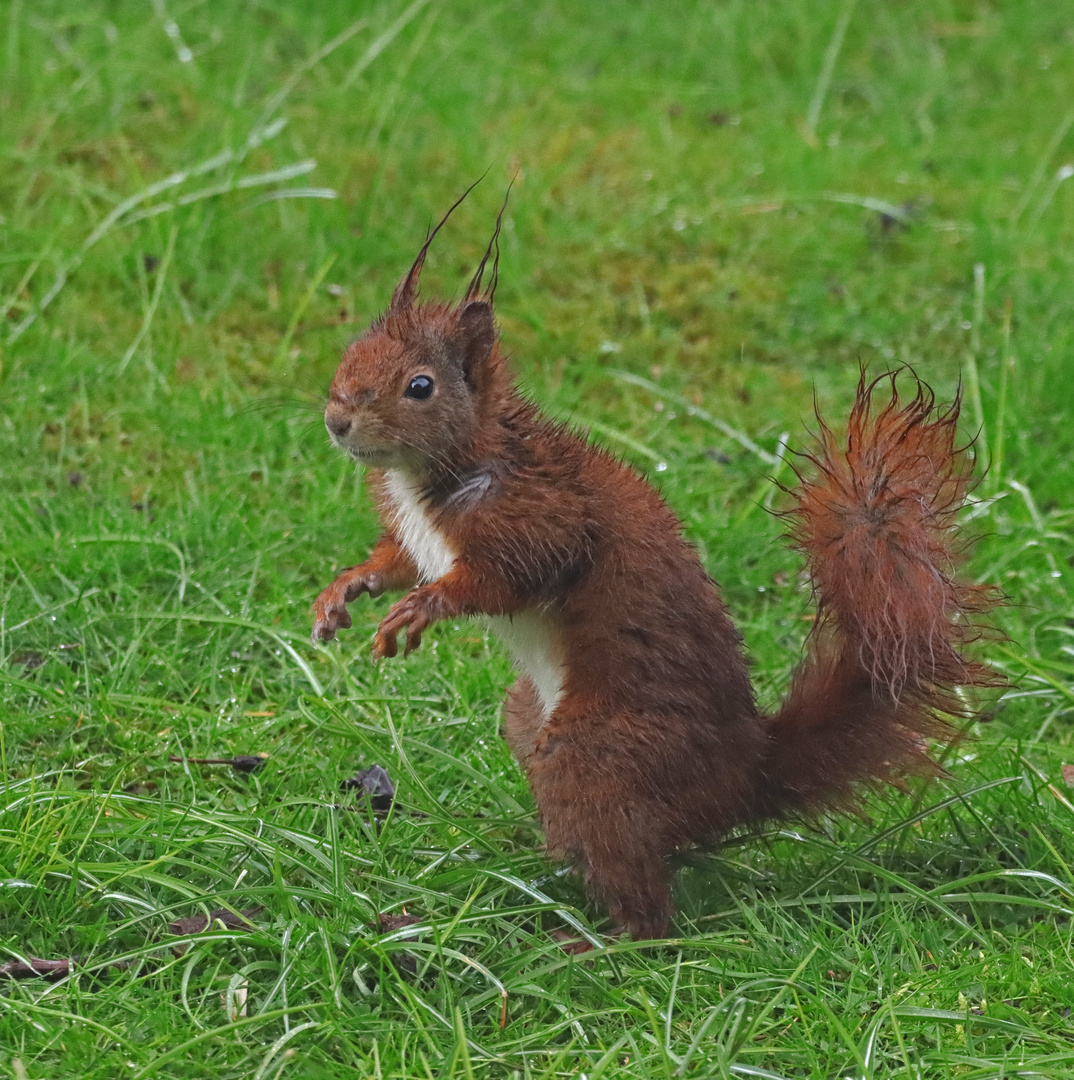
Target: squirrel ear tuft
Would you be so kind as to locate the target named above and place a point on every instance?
(477, 335)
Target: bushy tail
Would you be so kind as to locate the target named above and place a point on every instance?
(887, 650)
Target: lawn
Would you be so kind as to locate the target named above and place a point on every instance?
(721, 210)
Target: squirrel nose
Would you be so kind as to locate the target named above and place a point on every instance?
(336, 424)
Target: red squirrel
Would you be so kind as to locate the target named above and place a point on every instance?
(633, 716)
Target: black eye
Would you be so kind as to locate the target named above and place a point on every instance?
(421, 387)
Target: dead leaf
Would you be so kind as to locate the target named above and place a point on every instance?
(28, 659)
(376, 783)
(389, 923)
(243, 763)
(227, 920)
(248, 763)
(570, 943)
(405, 962)
(35, 968)
(236, 1008)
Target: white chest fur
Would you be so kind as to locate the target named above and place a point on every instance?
(532, 636)
(414, 529)
(536, 644)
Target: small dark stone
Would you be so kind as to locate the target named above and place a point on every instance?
(74, 479)
(150, 262)
(718, 456)
(718, 119)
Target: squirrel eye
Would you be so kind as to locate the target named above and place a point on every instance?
(421, 387)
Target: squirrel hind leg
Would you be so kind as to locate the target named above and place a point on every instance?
(626, 874)
(596, 815)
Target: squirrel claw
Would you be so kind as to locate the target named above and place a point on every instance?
(412, 614)
(328, 620)
(384, 647)
(330, 608)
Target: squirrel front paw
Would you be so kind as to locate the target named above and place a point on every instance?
(330, 608)
(414, 612)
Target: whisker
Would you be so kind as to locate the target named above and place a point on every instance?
(281, 404)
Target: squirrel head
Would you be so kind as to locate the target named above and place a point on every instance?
(416, 389)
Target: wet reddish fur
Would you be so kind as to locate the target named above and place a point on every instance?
(656, 742)
(876, 522)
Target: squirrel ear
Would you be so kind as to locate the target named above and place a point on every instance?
(476, 336)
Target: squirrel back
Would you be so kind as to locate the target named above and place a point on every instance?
(633, 716)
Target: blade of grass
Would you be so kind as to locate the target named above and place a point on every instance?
(696, 411)
(827, 68)
(381, 42)
(151, 307)
(300, 308)
(1006, 366)
(1041, 167)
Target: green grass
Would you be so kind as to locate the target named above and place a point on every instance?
(696, 206)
